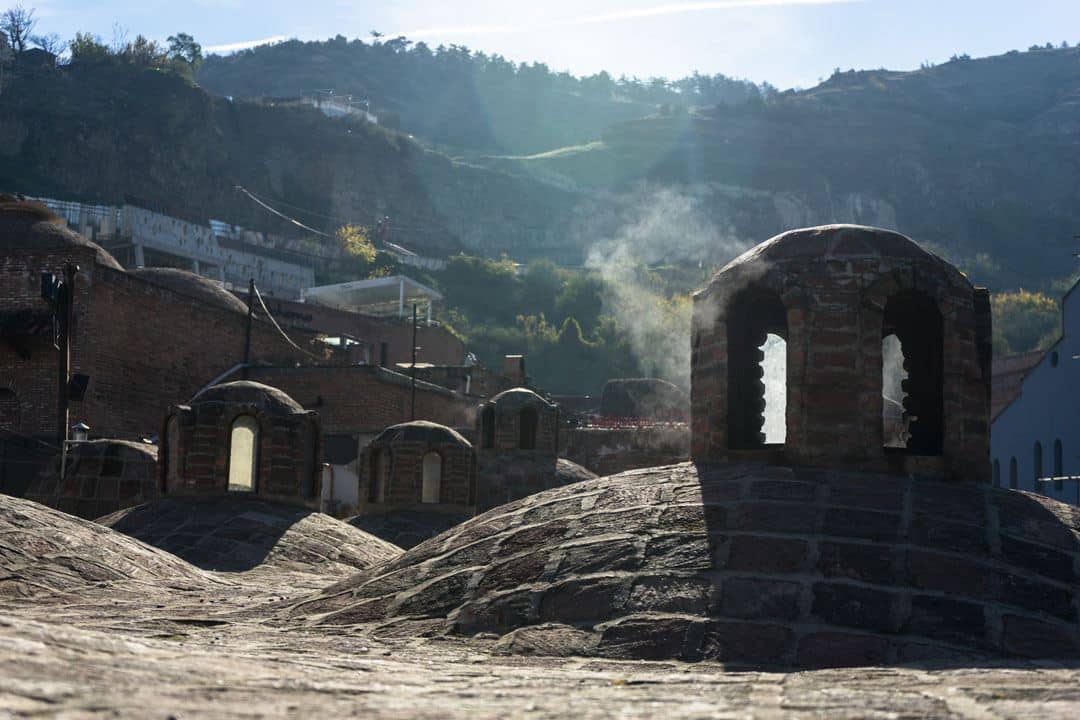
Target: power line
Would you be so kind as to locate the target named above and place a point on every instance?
(288, 339)
(280, 214)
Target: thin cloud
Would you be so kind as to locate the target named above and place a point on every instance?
(619, 15)
(245, 45)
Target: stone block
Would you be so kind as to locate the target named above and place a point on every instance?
(783, 490)
(1028, 637)
(941, 534)
(831, 649)
(755, 599)
(947, 619)
(870, 563)
(947, 573)
(776, 517)
(744, 642)
(753, 553)
(1036, 596)
(679, 552)
(865, 524)
(669, 594)
(653, 638)
(583, 600)
(854, 606)
(1038, 558)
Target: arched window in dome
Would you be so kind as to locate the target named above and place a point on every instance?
(431, 486)
(1037, 466)
(527, 425)
(378, 475)
(9, 410)
(244, 454)
(757, 370)
(1059, 470)
(487, 427)
(172, 453)
(913, 355)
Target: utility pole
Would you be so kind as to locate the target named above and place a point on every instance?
(247, 331)
(412, 401)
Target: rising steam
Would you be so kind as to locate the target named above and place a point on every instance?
(656, 225)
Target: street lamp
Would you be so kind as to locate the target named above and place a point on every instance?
(80, 432)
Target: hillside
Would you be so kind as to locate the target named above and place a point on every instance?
(112, 132)
(456, 99)
(974, 157)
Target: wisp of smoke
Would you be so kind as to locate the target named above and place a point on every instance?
(654, 225)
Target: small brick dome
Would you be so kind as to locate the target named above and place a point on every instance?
(191, 284)
(242, 438)
(843, 346)
(27, 225)
(418, 464)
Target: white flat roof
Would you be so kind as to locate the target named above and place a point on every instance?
(385, 295)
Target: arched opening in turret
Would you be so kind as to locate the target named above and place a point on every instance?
(917, 374)
(487, 428)
(757, 370)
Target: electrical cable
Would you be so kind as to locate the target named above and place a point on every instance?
(288, 339)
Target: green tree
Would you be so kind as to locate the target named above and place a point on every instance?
(357, 242)
(582, 297)
(541, 283)
(18, 24)
(184, 49)
(87, 48)
(1024, 321)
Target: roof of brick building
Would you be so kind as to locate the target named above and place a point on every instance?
(249, 392)
(27, 225)
(421, 431)
(836, 240)
(191, 284)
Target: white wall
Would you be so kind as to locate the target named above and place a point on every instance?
(1047, 409)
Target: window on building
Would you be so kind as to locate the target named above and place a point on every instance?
(310, 463)
(527, 422)
(1059, 470)
(379, 472)
(9, 410)
(997, 473)
(172, 453)
(757, 370)
(917, 373)
(431, 490)
(243, 454)
(1014, 480)
(487, 428)
(1037, 466)
(112, 465)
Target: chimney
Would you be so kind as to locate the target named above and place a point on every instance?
(514, 368)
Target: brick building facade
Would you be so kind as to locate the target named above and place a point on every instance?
(144, 342)
(242, 438)
(833, 297)
(517, 435)
(418, 465)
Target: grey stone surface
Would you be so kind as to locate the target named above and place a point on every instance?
(137, 633)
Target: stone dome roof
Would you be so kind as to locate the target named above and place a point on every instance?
(825, 241)
(27, 225)
(742, 563)
(248, 392)
(421, 431)
(517, 396)
(188, 283)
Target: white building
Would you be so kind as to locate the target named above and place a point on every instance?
(1037, 435)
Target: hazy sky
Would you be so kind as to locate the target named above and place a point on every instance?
(787, 42)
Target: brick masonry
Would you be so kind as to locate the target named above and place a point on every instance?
(834, 284)
(750, 564)
(102, 476)
(196, 443)
(399, 452)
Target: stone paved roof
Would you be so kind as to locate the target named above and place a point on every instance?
(236, 534)
(744, 563)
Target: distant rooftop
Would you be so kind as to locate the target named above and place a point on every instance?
(386, 297)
